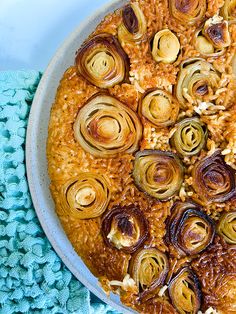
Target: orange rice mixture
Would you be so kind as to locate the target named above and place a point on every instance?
(67, 159)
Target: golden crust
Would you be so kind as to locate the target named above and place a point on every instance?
(218, 281)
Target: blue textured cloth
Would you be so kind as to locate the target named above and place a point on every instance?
(33, 279)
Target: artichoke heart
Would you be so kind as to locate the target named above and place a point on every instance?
(102, 61)
(196, 79)
(105, 127)
(189, 229)
(125, 228)
(124, 232)
(158, 173)
(134, 26)
(185, 293)
(85, 196)
(190, 137)
(165, 46)
(203, 45)
(217, 32)
(213, 179)
(188, 12)
(160, 108)
(149, 268)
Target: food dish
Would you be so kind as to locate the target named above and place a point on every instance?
(162, 142)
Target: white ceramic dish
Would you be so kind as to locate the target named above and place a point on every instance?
(36, 161)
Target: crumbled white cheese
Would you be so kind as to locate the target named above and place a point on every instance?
(112, 237)
(134, 75)
(211, 311)
(214, 20)
(126, 284)
(138, 87)
(117, 241)
(182, 193)
(201, 107)
(162, 291)
(170, 88)
(226, 151)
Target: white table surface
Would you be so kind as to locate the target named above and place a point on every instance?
(32, 30)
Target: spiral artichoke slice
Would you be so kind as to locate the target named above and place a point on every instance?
(165, 47)
(149, 268)
(190, 137)
(105, 127)
(160, 108)
(158, 173)
(189, 229)
(85, 196)
(185, 293)
(188, 12)
(102, 61)
(213, 179)
(134, 26)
